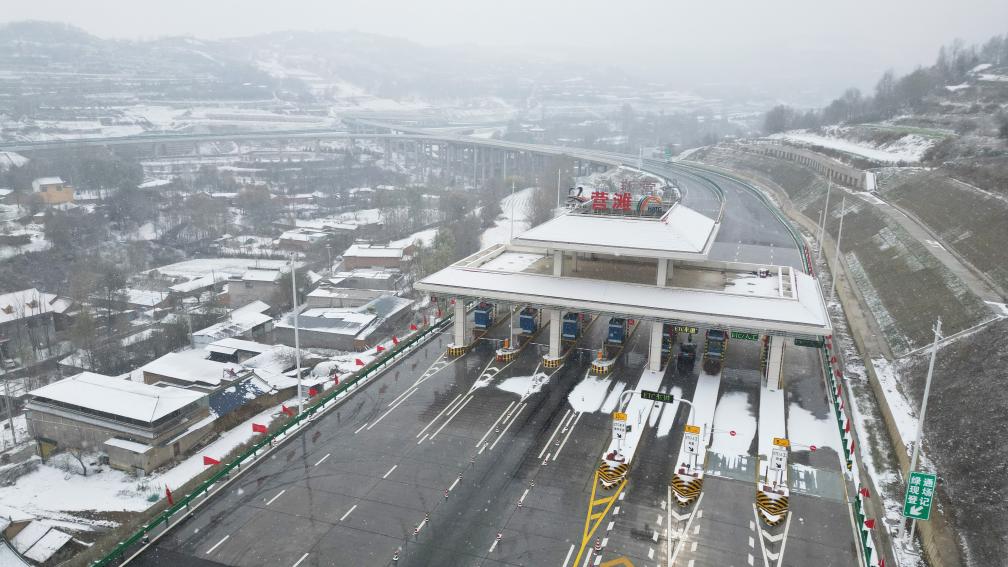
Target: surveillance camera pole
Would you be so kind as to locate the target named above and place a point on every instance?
(920, 419)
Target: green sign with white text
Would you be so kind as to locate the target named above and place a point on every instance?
(745, 336)
(657, 396)
(919, 496)
(807, 342)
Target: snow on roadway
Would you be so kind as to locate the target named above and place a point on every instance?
(668, 414)
(525, 386)
(501, 231)
(805, 430)
(593, 394)
(734, 413)
(903, 412)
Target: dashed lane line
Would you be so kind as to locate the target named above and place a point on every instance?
(279, 494)
(344, 516)
(555, 431)
(514, 418)
(298, 562)
(386, 475)
(216, 545)
(322, 459)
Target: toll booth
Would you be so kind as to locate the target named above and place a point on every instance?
(572, 326)
(714, 351)
(483, 315)
(668, 339)
(529, 321)
(617, 331)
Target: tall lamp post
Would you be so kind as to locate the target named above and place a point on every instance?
(297, 338)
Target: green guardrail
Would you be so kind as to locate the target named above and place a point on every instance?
(119, 552)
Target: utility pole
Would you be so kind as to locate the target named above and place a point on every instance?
(10, 410)
(923, 411)
(836, 256)
(328, 248)
(297, 338)
(510, 238)
(558, 187)
(822, 225)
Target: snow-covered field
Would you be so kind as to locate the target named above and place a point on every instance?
(910, 148)
(501, 231)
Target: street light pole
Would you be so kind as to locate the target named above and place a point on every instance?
(512, 211)
(297, 338)
(822, 225)
(836, 256)
(923, 411)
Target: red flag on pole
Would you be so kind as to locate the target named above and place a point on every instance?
(312, 392)
(412, 327)
(210, 461)
(359, 362)
(870, 523)
(258, 428)
(335, 379)
(167, 491)
(439, 313)
(379, 348)
(286, 409)
(395, 340)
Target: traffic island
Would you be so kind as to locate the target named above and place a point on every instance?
(602, 366)
(550, 362)
(455, 350)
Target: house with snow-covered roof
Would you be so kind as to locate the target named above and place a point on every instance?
(53, 190)
(29, 320)
(247, 322)
(139, 426)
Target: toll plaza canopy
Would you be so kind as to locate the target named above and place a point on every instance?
(657, 271)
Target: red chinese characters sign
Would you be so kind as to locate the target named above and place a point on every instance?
(600, 200)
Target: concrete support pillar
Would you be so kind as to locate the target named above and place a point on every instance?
(558, 263)
(461, 335)
(775, 363)
(574, 257)
(664, 270)
(555, 325)
(654, 346)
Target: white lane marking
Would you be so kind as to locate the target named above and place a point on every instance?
(451, 417)
(223, 539)
(298, 562)
(359, 429)
(696, 529)
(761, 544)
(660, 518)
(686, 529)
(279, 494)
(391, 409)
(436, 417)
(494, 546)
(555, 431)
(773, 538)
(749, 559)
(494, 424)
(344, 516)
(524, 494)
(650, 553)
(611, 524)
(564, 443)
(394, 467)
(454, 484)
(569, 553)
(507, 426)
(787, 526)
(322, 459)
(422, 439)
(752, 542)
(694, 546)
(605, 541)
(654, 536)
(690, 564)
(396, 399)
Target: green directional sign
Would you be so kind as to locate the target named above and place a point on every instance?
(657, 396)
(685, 329)
(807, 342)
(745, 336)
(919, 496)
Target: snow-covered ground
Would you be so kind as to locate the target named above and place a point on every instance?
(53, 492)
(902, 410)
(806, 430)
(909, 148)
(596, 393)
(501, 231)
(425, 237)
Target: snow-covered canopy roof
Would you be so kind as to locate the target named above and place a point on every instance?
(792, 305)
(681, 233)
(190, 366)
(116, 396)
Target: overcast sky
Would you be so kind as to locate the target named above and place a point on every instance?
(843, 42)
